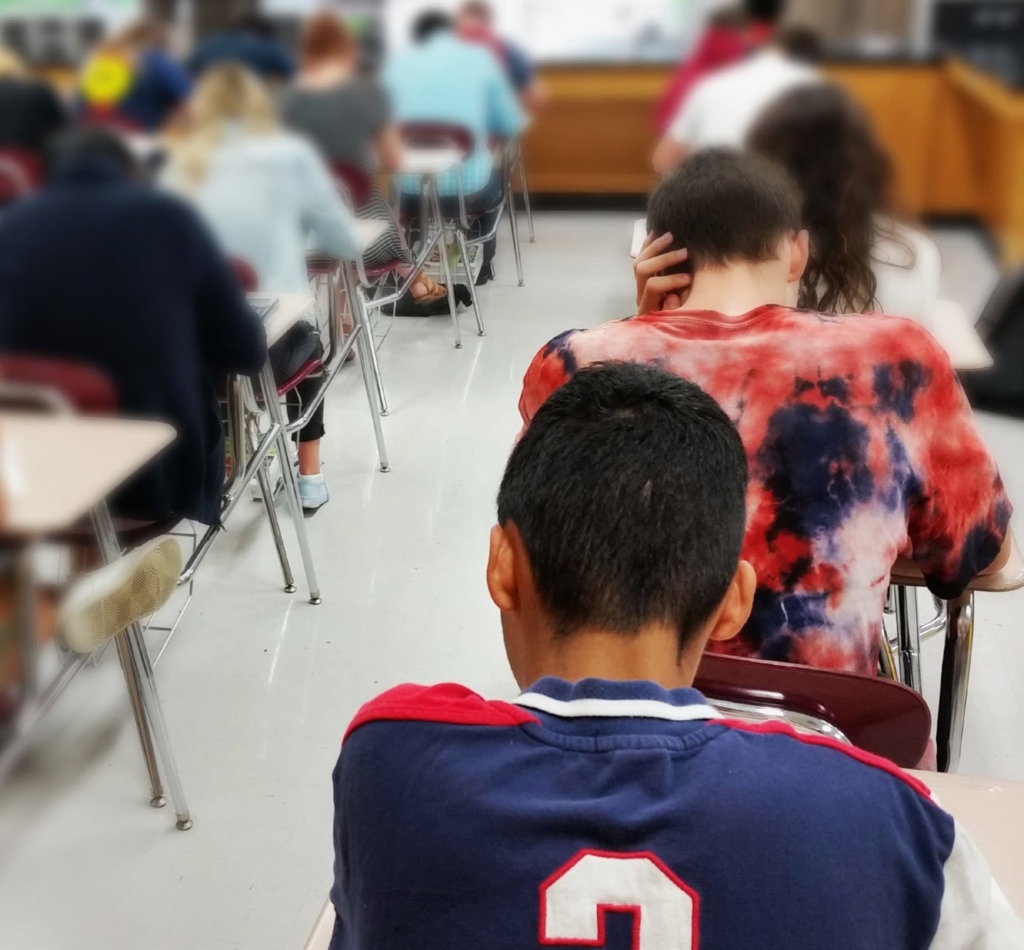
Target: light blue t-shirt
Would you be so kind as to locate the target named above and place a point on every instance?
(445, 79)
(266, 198)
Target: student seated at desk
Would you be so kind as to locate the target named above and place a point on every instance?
(104, 270)
(31, 113)
(609, 801)
(861, 443)
(862, 256)
(444, 79)
(348, 117)
(131, 81)
(265, 192)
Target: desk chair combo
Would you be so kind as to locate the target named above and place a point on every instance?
(428, 136)
(61, 388)
(253, 435)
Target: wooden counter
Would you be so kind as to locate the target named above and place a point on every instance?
(956, 136)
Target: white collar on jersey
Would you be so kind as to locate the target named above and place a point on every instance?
(592, 707)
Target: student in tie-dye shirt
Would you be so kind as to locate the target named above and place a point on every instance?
(862, 446)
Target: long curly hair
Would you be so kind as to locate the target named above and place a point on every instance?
(823, 138)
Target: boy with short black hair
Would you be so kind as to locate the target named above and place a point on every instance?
(609, 806)
(861, 443)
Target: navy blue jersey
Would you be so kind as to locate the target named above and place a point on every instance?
(625, 816)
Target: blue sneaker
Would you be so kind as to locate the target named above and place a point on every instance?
(313, 492)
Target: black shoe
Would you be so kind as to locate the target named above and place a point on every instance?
(463, 296)
(486, 274)
(409, 306)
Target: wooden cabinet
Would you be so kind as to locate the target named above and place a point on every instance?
(902, 102)
(955, 135)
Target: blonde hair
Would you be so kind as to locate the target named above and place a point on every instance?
(11, 65)
(227, 96)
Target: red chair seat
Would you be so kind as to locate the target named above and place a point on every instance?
(877, 715)
(309, 368)
(382, 269)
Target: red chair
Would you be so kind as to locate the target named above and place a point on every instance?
(56, 385)
(21, 173)
(877, 715)
(77, 386)
(438, 135)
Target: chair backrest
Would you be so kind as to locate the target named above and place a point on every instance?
(246, 275)
(877, 715)
(354, 182)
(438, 135)
(52, 384)
(21, 173)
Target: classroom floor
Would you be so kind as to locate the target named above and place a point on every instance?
(258, 686)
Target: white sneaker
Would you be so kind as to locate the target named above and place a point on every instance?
(102, 603)
(313, 492)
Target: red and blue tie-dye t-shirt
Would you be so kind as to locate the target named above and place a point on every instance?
(862, 447)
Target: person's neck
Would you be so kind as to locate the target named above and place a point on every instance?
(324, 75)
(735, 290)
(651, 655)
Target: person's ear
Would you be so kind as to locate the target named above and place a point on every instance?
(799, 254)
(501, 571)
(737, 604)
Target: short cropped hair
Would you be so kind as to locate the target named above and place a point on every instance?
(628, 492)
(429, 23)
(725, 206)
(89, 140)
(767, 11)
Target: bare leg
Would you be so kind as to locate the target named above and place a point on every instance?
(309, 458)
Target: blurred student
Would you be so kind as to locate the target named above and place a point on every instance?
(348, 116)
(265, 192)
(30, 114)
(252, 42)
(722, 108)
(731, 36)
(862, 446)
(131, 82)
(101, 269)
(862, 257)
(475, 23)
(444, 79)
(609, 805)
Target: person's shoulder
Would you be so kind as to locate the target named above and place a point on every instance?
(826, 773)
(447, 704)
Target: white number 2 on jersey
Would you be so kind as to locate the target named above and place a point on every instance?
(575, 899)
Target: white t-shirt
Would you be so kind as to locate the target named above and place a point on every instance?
(908, 267)
(723, 108)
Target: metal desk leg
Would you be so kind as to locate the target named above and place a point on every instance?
(291, 485)
(131, 679)
(513, 217)
(956, 671)
(526, 195)
(464, 253)
(364, 344)
(909, 634)
(446, 266)
(267, 490)
(141, 683)
(357, 301)
(139, 657)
